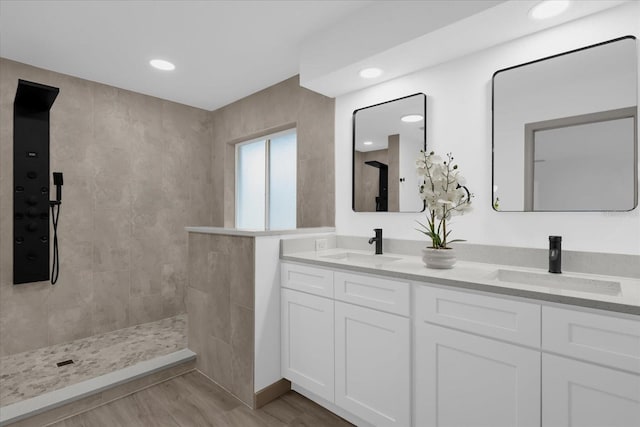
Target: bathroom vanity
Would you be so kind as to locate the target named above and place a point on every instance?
(381, 340)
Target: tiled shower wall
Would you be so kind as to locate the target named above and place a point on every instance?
(137, 169)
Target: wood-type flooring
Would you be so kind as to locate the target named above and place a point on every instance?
(192, 400)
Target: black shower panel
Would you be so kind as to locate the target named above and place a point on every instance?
(31, 181)
(382, 199)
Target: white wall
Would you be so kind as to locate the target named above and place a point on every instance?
(459, 120)
(267, 311)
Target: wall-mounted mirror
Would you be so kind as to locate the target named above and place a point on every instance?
(387, 138)
(565, 131)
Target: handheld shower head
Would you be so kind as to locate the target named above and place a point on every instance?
(55, 215)
(58, 182)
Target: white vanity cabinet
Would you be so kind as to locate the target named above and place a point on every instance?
(390, 352)
(464, 379)
(601, 389)
(373, 364)
(307, 342)
(353, 350)
(576, 393)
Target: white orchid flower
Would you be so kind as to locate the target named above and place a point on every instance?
(442, 187)
(434, 159)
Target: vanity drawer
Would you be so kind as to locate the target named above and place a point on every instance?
(373, 292)
(307, 279)
(607, 340)
(500, 318)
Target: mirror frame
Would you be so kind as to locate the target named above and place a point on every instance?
(353, 149)
(635, 185)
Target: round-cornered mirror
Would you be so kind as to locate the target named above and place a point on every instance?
(565, 131)
(387, 138)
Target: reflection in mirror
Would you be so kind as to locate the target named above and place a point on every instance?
(387, 138)
(565, 131)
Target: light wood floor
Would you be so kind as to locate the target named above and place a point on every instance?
(192, 400)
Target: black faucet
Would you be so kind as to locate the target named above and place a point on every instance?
(555, 254)
(378, 240)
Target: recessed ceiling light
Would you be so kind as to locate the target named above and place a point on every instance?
(411, 118)
(548, 9)
(370, 73)
(367, 143)
(161, 64)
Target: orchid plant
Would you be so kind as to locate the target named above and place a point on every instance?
(442, 187)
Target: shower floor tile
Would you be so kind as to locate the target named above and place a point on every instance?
(32, 373)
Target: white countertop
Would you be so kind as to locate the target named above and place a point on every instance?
(482, 277)
(254, 233)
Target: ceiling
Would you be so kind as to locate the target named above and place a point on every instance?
(423, 34)
(223, 50)
(226, 50)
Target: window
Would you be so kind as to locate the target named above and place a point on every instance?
(266, 182)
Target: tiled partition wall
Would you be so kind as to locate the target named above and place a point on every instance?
(137, 170)
(220, 306)
(278, 107)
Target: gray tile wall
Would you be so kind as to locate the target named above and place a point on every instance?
(220, 306)
(281, 106)
(137, 169)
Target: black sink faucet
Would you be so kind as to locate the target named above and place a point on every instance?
(378, 240)
(555, 254)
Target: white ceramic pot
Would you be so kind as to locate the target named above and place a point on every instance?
(439, 258)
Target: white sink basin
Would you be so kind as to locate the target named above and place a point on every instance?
(559, 281)
(361, 258)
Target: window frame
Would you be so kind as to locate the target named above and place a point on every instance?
(267, 173)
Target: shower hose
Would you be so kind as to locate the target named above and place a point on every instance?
(55, 268)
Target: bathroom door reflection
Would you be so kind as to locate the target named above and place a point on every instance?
(550, 153)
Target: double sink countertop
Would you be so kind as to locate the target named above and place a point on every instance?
(612, 293)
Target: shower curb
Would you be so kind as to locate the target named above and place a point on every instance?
(28, 408)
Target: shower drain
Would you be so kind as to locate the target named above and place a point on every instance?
(64, 362)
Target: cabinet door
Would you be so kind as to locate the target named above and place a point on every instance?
(307, 342)
(582, 394)
(467, 380)
(373, 365)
